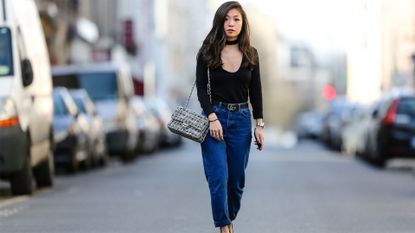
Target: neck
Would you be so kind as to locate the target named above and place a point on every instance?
(231, 42)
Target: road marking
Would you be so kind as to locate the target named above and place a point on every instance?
(13, 201)
(9, 212)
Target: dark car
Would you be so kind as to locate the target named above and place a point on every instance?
(391, 130)
(71, 139)
(96, 134)
(337, 117)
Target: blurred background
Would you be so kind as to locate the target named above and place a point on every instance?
(320, 60)
(311, 52)
(338, 78)
(334, 70)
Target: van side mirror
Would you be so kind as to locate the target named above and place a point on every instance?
(27, 72)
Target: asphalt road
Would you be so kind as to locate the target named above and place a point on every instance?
(305, 189)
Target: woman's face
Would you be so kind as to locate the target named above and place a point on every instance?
(233, 24)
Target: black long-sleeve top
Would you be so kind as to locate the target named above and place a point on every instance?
(230, 87)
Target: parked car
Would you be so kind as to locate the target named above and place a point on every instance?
(110, 87)
(309, 124)
(96, 136)
(148, 125)
(163, 112)
(71, 132)
(353, 135)
(334, 121)
(391, 129)
(26, 107)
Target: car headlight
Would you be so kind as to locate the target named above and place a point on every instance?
(8, 113)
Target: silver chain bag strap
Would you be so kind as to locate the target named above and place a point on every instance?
(188, 123)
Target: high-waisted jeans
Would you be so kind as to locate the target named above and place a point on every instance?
(225, 163)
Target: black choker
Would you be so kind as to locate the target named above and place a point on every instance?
(231, 42)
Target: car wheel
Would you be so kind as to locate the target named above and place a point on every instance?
(378, 163)
(377, 157)
(21, 182)
(103, 154)
(44, 172)
(73, 165)
(129, 152)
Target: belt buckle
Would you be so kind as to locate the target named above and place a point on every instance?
(231, 107)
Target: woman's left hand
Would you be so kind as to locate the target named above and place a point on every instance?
(259, 136)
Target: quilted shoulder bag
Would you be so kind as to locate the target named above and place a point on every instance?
(188, 123)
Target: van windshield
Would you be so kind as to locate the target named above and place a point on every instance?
(6, 57)
(100, 86)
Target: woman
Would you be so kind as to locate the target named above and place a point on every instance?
(227, 57)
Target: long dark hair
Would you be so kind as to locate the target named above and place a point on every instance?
(215, 41)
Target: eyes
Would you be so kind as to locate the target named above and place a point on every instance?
(236, 19)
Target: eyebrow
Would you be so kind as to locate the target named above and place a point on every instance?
(235, 15)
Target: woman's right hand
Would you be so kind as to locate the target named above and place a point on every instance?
(215, 128)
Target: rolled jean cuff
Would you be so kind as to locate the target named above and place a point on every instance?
(222, 223)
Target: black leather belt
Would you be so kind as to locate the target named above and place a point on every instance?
(232, 107)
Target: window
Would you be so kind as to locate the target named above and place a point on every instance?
(80, 104)
(6, 55)
(407, 106)
(59, 105)
(69, 81)
(100, 86)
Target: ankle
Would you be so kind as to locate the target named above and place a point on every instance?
(225, 229)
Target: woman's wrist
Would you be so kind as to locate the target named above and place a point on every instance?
(212, 117)
(259, 123)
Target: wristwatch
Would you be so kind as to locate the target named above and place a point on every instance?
(260, 124)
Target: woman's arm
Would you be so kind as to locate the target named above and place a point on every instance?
(255, 91)
(255, 96)
(215, 128)
(201, 86)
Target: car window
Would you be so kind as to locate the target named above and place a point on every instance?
(100, 86)
(6, 55)
(407, 106)
(80, 104)
(67, 80)
(59, 106)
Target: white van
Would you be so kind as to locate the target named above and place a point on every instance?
(26, 106)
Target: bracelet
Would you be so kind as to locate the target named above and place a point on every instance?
(213, 120)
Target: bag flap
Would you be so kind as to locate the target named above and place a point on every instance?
(185, 115)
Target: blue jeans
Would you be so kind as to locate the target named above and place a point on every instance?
(225, 162)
